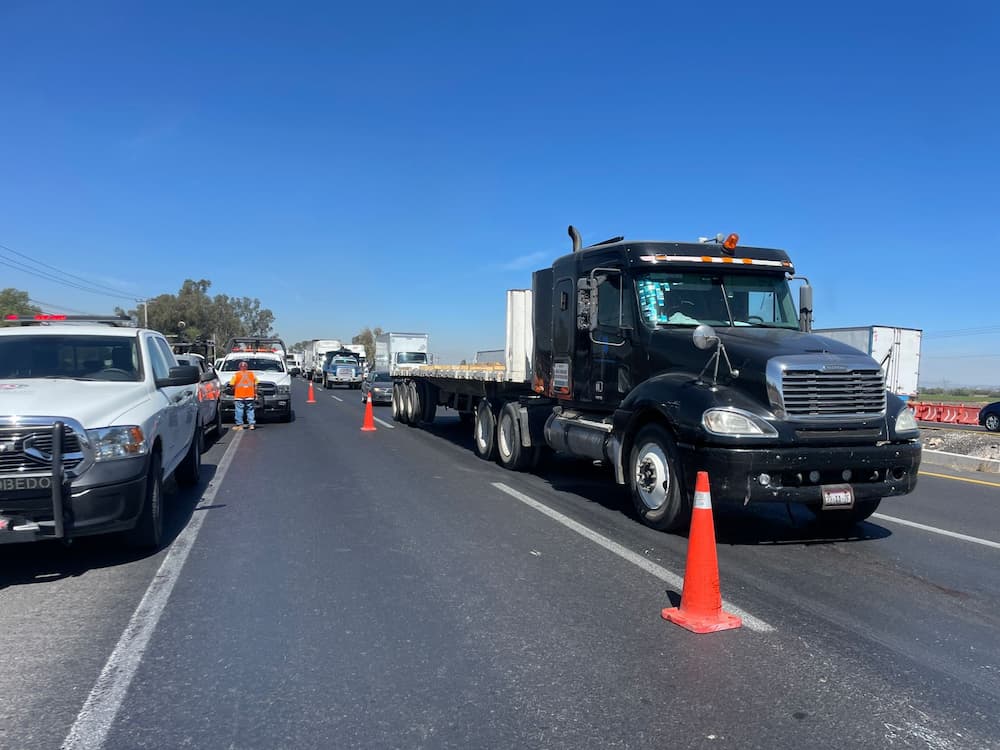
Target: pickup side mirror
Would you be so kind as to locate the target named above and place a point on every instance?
(180, 375)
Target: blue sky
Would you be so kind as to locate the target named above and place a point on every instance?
(402, 164)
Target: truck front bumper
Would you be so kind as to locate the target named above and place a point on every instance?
(279, 406)
(798, 475)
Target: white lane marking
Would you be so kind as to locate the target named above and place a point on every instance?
(384, 423)
(90, 730)
(338, 398)
(935, 530)
(671, 579)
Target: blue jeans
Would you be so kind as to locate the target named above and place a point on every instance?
(241, 405)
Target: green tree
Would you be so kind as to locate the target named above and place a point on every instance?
(367, 337)
(15, 302)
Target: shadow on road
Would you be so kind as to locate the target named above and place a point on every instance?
(47, 561)
(760, 524)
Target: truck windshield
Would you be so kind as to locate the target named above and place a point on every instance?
(70, 356)
(253, 363)
(411, 358)
(736, 299)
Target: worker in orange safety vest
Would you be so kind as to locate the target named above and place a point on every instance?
(244, 385)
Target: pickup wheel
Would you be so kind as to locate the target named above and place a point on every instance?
(484, 433)
(217, 427)
(148, 530)
(655, 482)
(188, 472)
(510, 453)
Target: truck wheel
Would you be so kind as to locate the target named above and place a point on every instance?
(429, 398)
(414, 403)
(148, 530)
(397, 402)
(188, 472)
(510, 453)
(992, 422)
(485, 431)
(656, 485)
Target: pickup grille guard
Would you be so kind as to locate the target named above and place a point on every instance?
(47, 452)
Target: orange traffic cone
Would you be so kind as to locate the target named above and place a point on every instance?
(369, 423)
(312, 396)
(701, 599)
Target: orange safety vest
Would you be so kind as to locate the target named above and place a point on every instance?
(244, 385)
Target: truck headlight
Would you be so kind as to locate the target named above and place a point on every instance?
(906, 422)
(110, 443)
(284, 390)
(732, 422)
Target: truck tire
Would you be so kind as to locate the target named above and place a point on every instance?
(655, 483)
(484, 434)
(429, 399)
(188, 471)
(510, 453)
(414, 403)
(148, 530)
(217, 427)
(397, 402)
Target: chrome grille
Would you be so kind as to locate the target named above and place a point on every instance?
(266, 389)
(826, 387)
(15, 443)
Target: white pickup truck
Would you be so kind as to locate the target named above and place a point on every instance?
(93, 418)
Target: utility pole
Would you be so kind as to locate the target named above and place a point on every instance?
(145, 311)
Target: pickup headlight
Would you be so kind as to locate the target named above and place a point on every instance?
(732, 422)
(284, 390)
(110, 443)
(906, 423)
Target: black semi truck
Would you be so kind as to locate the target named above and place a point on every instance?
(668, 358)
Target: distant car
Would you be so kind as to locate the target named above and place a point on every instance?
(989, 416)
(379, 384)
(209, 393)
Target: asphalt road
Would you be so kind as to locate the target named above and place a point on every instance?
(327, 587)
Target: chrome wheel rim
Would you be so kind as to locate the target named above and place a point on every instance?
(652, 476)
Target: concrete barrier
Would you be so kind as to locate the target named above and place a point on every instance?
(959, 461)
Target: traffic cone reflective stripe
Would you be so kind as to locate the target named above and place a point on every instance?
(701, 600)
(369, 423)
(312, 396)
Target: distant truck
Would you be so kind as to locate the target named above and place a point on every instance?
(400, 351)
(293, 363)
(897, 350)
(315, 355)
(663, 359)
(359, 351)
(342, 367)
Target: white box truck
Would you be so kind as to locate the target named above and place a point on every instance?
(897, 350)
(315, 358)
(400, 351)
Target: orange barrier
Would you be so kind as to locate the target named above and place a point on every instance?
(369, 424)
(945, 413)
(312, 396)
(701, 599)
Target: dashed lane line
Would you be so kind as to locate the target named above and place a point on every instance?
(671, 579)
(93, 723)
(338, 398)
(384, 423)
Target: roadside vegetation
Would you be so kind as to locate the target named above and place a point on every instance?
(959, 395)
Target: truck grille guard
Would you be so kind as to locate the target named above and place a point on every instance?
(826, 388)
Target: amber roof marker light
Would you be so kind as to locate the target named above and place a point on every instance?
(731, 241)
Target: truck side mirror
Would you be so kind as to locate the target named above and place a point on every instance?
(805, 307)
(586, 305)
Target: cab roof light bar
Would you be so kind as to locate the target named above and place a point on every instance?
(41, 318)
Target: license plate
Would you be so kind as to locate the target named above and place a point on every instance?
(838, 496)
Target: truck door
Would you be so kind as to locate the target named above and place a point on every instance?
(610, 371)
(564, 335)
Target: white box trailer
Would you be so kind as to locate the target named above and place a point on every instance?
(400, 351)
(897, 350)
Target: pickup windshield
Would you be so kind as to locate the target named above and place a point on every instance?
(691, 298)
(71, 356)
(253, 363)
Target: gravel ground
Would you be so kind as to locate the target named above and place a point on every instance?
(965, 442)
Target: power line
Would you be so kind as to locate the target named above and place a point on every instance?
(962, 332)
(86, 286)
(95, 285)
(50, 306)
